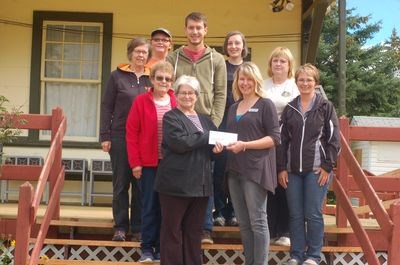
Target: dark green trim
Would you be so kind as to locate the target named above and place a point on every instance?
(37, 32)
(23, 141)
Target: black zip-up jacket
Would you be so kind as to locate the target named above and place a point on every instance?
(121, 89)
(185, 169)
(309, 141)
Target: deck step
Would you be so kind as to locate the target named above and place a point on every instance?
(85, 251)
(133, 244)
(331, 229)
(83, 262)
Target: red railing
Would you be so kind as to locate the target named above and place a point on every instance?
(29, 200)
(350, 176)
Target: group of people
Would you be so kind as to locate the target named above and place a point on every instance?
(156, 117)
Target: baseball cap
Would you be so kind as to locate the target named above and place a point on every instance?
(161, 30)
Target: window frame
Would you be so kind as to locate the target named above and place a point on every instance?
(36, 60)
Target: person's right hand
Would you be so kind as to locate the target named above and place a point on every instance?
(218, 147)
(137, 172)
(106, 146)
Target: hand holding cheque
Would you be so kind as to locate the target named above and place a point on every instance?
(221, 139)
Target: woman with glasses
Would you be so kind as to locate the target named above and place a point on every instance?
(160, 44)
(281, 89)
(143, 137)
(125, 83)
(309, 148)
(184, 179)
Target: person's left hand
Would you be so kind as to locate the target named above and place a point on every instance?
(236, 147)
(323, 177)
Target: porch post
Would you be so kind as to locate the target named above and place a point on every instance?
(394, 242)
(24, 224)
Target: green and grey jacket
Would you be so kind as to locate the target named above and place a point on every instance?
(210, 70)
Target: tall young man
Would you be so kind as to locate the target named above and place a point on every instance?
(205, 63)
(208, 66)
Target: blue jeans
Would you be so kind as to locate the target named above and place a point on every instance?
(250, 203)
(151, 212)
(208, 219)
(305, 197)
(122, 179)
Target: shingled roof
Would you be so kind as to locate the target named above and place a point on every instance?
(375, 121)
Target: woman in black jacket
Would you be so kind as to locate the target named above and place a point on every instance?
(309, 148)
(184, 177)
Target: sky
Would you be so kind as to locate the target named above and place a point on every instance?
(388, 11)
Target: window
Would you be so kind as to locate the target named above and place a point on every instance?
(73, 67)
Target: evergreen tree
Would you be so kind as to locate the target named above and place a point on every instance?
(371, 86)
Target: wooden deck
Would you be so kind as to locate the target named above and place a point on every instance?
(75, 222)
(103, 214)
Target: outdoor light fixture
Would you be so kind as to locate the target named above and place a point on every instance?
(289, 5)
(279, 5)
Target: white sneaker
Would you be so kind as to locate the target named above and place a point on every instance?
(273, 240)
(292, 262)
(283, 241)
(310, 262)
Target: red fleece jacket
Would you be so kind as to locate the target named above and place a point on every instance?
(141, 130)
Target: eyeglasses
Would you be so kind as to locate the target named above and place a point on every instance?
(160, 40)
(160, 78)
(140, 52)
(305, 80)
(190, 94)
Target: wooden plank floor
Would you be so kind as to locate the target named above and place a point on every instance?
(104, 214)
(67, 212)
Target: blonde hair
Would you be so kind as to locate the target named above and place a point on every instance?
(163, 66)
(251, 70)
(285, 53)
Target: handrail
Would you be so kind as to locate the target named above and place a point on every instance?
(370, 195)
(347, 166)
(355, 223)
(44, 227)
(48, 165)
(52, 172)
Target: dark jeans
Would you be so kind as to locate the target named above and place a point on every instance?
(222, 202)
(278, 213)
(181, 229)
(122, 179)
(151, 212)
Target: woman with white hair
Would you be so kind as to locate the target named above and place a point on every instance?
(184, 179)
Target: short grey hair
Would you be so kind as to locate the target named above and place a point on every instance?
(189, 81)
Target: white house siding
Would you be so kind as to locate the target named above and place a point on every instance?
(379, 157)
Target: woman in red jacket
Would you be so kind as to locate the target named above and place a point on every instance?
(143, 137)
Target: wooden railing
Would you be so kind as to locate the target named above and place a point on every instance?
(29, 200)
(350, 173)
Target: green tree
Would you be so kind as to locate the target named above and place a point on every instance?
(371, 86)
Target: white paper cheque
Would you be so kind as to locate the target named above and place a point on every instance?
(222, 137)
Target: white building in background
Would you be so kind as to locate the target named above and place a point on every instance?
(378, 157)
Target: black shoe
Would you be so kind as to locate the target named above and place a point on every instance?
(232, 222)
(219, 221)
(119, 235)
(136, 237)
